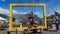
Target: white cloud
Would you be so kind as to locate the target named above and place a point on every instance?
(15, 12)
(6, 11)
(3, 0)
(23, 13)
(36, 13)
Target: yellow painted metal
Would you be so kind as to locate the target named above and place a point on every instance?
(10, 23)
(23, 28)
(56, 10)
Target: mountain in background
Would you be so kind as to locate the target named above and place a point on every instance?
(4, 16)
(24, 17)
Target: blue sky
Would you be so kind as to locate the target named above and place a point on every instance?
(51, 5)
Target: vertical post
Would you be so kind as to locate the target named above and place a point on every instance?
(10, 21)
(47, 26)
(16, 31)
(8, 32)
(40, 31)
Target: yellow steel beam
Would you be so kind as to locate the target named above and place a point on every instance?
(44, 12)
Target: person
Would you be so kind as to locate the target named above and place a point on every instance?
(31, 19)
(57, 23)
(57, 20)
